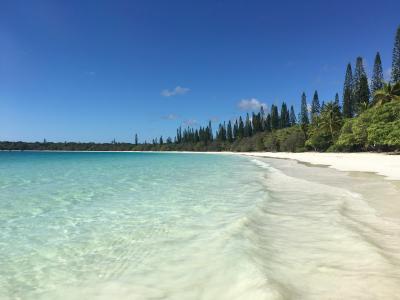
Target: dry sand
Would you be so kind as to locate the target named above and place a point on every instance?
(382, 164)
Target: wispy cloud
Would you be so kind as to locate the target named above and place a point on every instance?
(251, 104)
(170, 117)
(190, 122)
(176, 91)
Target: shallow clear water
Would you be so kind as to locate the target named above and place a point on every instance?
(185, 226)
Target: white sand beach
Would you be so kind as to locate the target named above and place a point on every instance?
(382, 164)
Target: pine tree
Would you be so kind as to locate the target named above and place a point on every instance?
(348, 93)
(360, 89)
(210, 132)
(235, 130)
(364, 94)
(274, 117)
(304, 120)
(358, 72)
(267, 123)
(262, 118)
(179, 135)
(255, 120)
(241, 128)
(136, 139)
(219, 133)
(337, 103)
(285, 119)
(229, 133)
(292, 117)
(247, 127)
(315, 107)
(396, 58)
(377, 75)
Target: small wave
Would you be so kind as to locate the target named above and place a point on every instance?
(318, 241)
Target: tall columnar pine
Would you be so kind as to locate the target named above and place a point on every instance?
(136, 139)
(348, 93)
(396, 58)
(222, 132)
(361, 88)
(256, 122)
(179, 135)
(292, 116)
(225, 132)
(337, 100)
(221, 136)
(315, 107)
(285, 118)
(210, 132)
(262, 118)
(240, 128)
(377, 75)
(247, 127)
(363, 94)
(267, 123)
(304, 120)
(235, 131)
(229, 134)
(274, 117)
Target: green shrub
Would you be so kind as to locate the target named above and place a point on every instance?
(378, 128)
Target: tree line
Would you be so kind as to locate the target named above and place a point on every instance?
(331, 125)
(317, 126)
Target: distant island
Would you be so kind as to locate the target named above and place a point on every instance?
(366, 119)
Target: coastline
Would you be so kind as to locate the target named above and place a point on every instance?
(378, 163)
(381, 164)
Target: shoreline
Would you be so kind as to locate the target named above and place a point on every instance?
(378, 163)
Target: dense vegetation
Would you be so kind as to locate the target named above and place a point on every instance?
(368, 119)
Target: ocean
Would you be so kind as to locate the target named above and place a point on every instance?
(185, 226)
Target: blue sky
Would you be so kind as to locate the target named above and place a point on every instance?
(99, 70)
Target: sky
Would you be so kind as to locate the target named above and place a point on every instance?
(103, 70)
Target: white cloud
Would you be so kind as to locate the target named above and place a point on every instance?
(251, 104)
(170, 117)
(176, 91)
(190, 122)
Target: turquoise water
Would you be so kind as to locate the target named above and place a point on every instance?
(130, 224)
(188, 226)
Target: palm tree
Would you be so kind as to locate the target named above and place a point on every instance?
(331, 119)
(387, 94)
